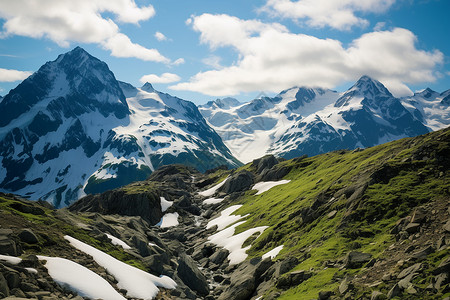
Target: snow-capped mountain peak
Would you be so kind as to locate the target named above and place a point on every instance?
(69, 129)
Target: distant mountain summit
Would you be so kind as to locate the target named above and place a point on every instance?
(71, 128)
(311, 121)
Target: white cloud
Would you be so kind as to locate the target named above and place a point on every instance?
(270, 58)
(213, 61)
(333, 13)
(160, 36)
(7, 75)
(81, 21)
(379, 26)
(164, 78)
(178, 62)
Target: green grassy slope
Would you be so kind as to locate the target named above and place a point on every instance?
(346, 200)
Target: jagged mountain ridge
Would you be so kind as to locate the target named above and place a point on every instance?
(71, 128)
(311, 121)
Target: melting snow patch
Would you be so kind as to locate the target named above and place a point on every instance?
(168, 220)
(211, 191)
(118, 242)
(31, 270)
(273, 253)
(165, 204)
(233, 243)
(10, 259)
(262, 187)
(213, 200)
(79, 279)
(225, 218)
(139, 284)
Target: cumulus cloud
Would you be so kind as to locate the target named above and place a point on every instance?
(270, 58)
(160, 36)
(7, 75)
(81, 21)
(320, 13)
(164, 78)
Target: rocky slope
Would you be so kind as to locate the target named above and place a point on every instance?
(364, 224)
(71, 128)
(311, 121)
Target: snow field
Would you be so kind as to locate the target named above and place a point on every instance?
(79, 279)
(139, 284)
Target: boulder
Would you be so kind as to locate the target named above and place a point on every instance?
(3, 286)
(292, 279)
(219, 257)
(28, 236)
(246, 278)
(241, 288)
(324, 295)
(9, 244)
(239, 182)
(146, 205)
(156, 262)
(356, 259)
(191, 276)
(265, 162)
(412, 228)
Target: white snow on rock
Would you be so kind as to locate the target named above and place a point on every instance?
(233, 243)
(118, 242)
(226, 218)
(273, 253)
(168, 220)
(139, 284)
(79, 279)
(213, 200)
(15, 261)
(264, 186)
(209, 192)
(10, 259)
(165, 204)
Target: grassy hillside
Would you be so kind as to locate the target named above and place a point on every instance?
(347, 201)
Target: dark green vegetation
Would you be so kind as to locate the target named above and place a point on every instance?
(350, 201)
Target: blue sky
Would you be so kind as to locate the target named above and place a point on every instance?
(201, 50)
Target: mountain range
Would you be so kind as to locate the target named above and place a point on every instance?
(72, 128)
(311, 121)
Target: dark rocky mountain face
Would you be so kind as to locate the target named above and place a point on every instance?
(68, 130)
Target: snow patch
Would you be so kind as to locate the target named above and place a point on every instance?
(118, 242)
(79, 279)
(139, 284)
(168, 220)
(10, 259)
(213, 200)
(165, 204)
(226, 218)
(264, 186)
(209, 192)
(273, 253)
(233, 243)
